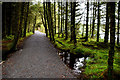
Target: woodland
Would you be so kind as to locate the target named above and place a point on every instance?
(89, 29)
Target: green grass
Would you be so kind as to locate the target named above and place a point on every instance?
(98, 53)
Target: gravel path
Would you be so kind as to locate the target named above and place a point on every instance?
(37, 59)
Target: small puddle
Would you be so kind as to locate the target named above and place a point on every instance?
(77, 64)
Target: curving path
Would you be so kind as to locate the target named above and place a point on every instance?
(37, 59)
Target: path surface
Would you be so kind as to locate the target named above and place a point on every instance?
(37, 59)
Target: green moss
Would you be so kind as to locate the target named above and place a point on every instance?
(97, 64)
(10, 37)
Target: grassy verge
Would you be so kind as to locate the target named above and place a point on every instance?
(8, 42)
(96, 66)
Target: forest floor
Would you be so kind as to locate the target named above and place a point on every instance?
(97, 53)
(37, 59)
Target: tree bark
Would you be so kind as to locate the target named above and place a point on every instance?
(55, 16)
(98, 25)
(3, 20)
(34, 25)
(71, 21)
(26, 20)
(94, 15)
(61, 19)
(118, 23)
(112, 40)
(19, 20)
(66, 21)
(49, 26)
(45, 25)
(86, 38)
(107, 24)
(58, 19)
(74, 34)
(51, 20)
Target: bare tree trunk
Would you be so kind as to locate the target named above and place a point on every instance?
(58, 19)
(94, 15)
(49, 26)
(45, 25)
(71, 21)
(61, 19)
(66, 21)
(107, 24)
(55, 16)
(29, 27)
(98, 25)
(34, 25)
(112, 40)
(86, 38)
(4, 20)
(26, 20)
(51, 20)
(74, 29)
(118, 23)
(19, 20)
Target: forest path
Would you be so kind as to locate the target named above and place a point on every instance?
(37, 59)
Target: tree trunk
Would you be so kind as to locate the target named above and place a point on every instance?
(98, 25)
(86, 38)
(45, 25)
(90, 26)
(26, 19)
(55, 16)
(34, 25)
(71, 22)
(9, 18)
(74, 34)
(112, 40)
(3, 20)
(51, 20)
(29, 27)
(66, 21)
(107, 24)
(61, 18)
(19, 20)
(94, 15)
(63, 24)
(49, 26)
(58, 19)
(118, 23)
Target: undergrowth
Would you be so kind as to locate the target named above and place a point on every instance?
(97, 51)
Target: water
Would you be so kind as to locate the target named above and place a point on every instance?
(78, 64)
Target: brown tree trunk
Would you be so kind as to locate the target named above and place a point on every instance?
(55, 16)
(94, 15)
(19, 20)
(74, 29)
(98, 25)
(34, 25)
(58, 19)
(86, 38)
(107, 24)
(71, 21)
(118, 23)
(66, 21)
(112, 40)
(26, 20)
(3, 20)
(61, 19)
(45, 25)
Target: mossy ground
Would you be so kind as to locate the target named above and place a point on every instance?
(98, 52)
